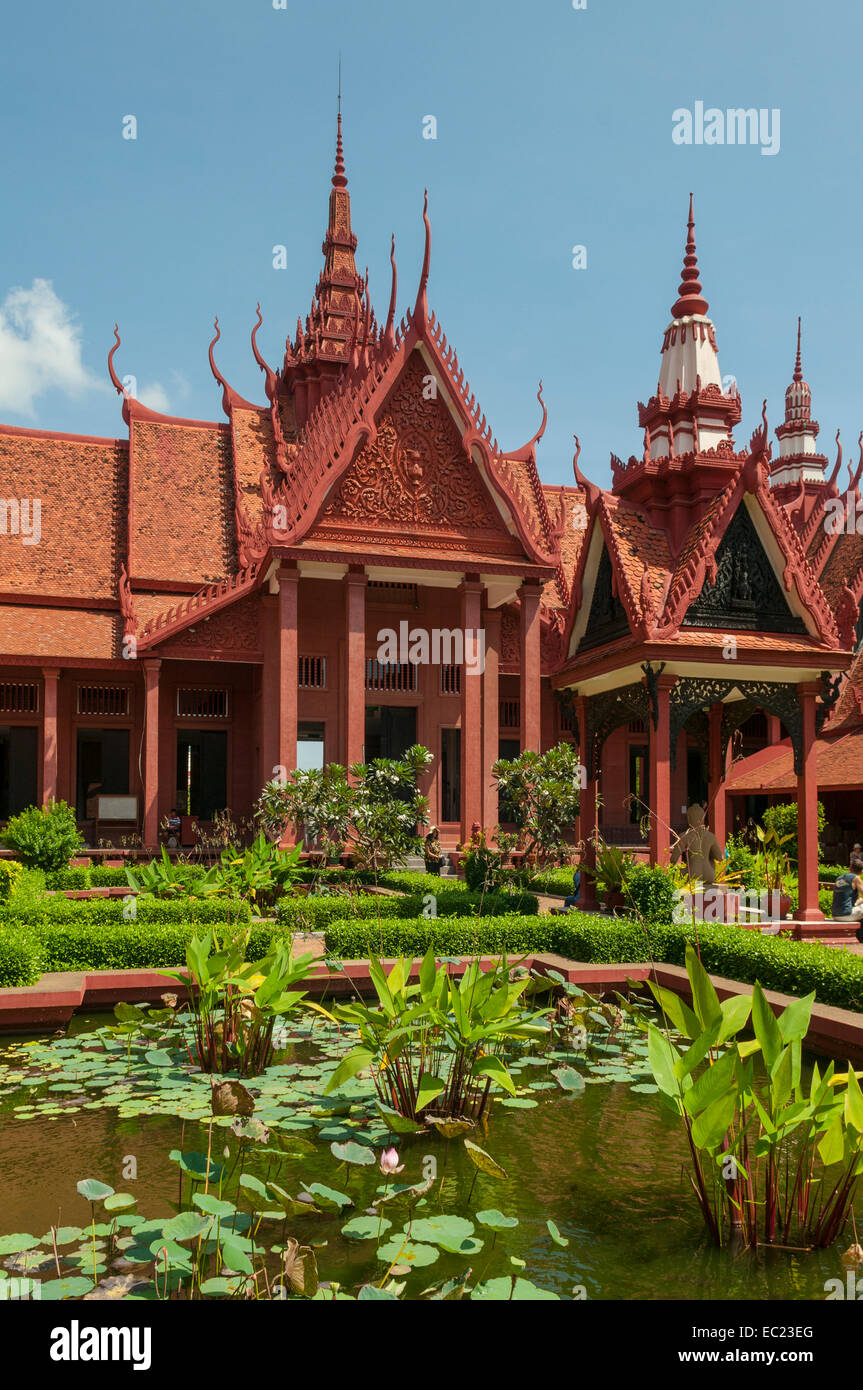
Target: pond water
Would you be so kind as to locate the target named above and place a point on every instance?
(607, 1166)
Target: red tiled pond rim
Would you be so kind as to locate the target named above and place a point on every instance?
(50, 1004)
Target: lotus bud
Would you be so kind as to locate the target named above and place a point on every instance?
(390, 1162)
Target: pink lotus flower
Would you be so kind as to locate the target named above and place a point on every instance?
(390, 1162)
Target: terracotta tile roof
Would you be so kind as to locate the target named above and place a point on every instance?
(572, 534)
(254, 450)
(839, 763)
(59, 632)
(637, 544)
(761, 641)
(844, 563)
(182, 502)
(81, 487)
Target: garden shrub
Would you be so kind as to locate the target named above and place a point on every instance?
(450, 936)
(59, 880)
(21, 956)
(139, 944)
(743, 864)
(651, 892)
(11, 873)
(553, 881)
(783, 819)
(91, 912)
(316, 912)
(43, 837)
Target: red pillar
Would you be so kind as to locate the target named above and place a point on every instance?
(717, 775)
(530, 675)
(586, 827)
(807, 810)
(774, 730)
(49, 735)
(150, 831)
(471, 709)
(289, 582)
(355, 663)
(660, 776)
(269, 709)
(490, 714)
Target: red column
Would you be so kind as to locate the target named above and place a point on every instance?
(774, 729)
(807, 810)
(269, 708)
(355, 662)
(587, 900)
(150, 830)
(660, 776)
(717, 775)
(490, 714)
(49, 735)
(471, 710)
(289, 582)
(530, 676)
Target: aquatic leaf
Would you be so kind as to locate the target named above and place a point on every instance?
(232, 1098)
(195, 1164)
(520, 1103)
(555, 1234)
(214, 1206)
(253, 1184)
(407, 1252)
(219, 1286)
(506, 1288)
(445, 1230)
(353, 1153)
(370, 1292)
(366, 1227)
(450, 1129)
(93, 1190)
(18, 1241)
(399, 1124)
(645, 1088)
(495, 1220)
(72, 1286)
(187, 1225)
(569, 1079)
(328, 1195)
(157, 1058)
(484, 1161)
(235, 1257)
(120, 1201)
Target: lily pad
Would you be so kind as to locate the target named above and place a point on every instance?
(353, 1153)
(407, 1252)
(505, 1289)
(495, 1220)
(483, 1160)
(366, 1227)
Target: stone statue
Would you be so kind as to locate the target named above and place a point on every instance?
(698, 847)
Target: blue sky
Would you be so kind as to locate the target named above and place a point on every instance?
(554, 130)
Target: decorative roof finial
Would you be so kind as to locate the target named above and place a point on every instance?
(111, 372)
(389, 335)
(691, 300)
(421, 307)
(798, 365)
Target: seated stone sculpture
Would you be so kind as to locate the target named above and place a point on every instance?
(698, 847)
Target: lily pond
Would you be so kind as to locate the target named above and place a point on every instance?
(119, 1181)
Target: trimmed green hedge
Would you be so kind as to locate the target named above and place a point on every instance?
(21, 956)
(93, 911)
(316, 912)
(140, 944)
(101, 877)
(779, 963)
(553, 881)
(454, 936)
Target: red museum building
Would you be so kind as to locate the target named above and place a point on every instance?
(204, 602)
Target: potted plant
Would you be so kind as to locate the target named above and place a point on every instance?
(611, 871)
(775, 863)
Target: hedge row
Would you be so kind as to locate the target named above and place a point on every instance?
(139, 944)
(86, 912)
(100, 877)
(315, 913)
(778, 963)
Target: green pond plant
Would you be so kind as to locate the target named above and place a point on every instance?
(772, 1161)
(235, 1004)
(439, 1041)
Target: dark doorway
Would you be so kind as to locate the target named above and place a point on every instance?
(390, 730)
(510, 749)
(19, 768)
(202, 773)
(101, 767)
(450, 775)
(696, 777)
(639, 789)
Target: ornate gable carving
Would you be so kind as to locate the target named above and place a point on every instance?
(233, 629)
(608, 618)
(745, 595)
(416, 475)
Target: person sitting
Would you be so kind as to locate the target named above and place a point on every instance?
(173, 828)
(699, 847)
(847, 890)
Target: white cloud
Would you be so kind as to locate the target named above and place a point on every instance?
(155, 397)
(40, 349)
